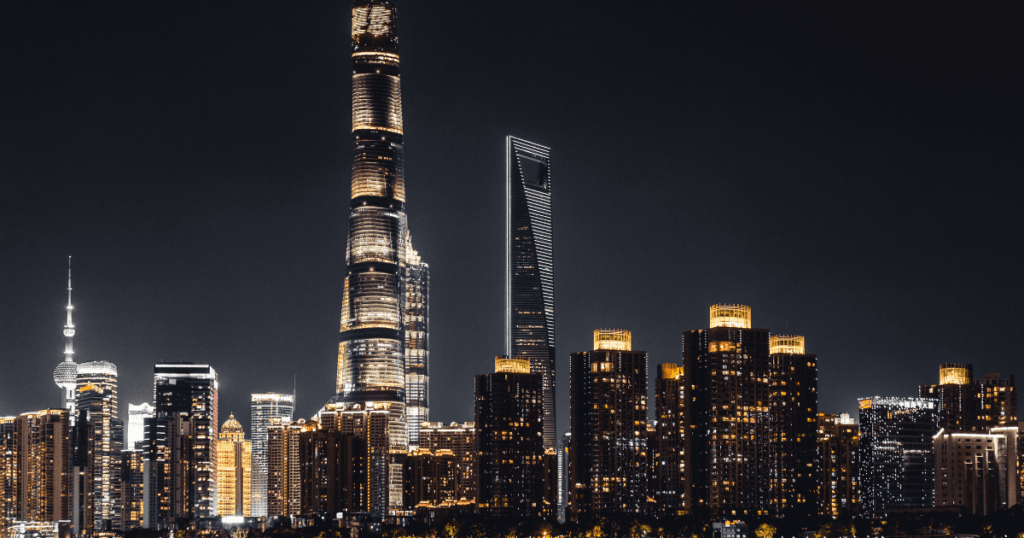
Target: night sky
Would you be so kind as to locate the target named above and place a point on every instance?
(854, 173)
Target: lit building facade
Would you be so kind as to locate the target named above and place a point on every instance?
(234, 471)
(96, 454)
(958, 397)
(334, 470)
(793, 427)
(43, 460)
(608, 455)
(284, 468)
(998, 401)
(265, 407)
(977, 471)
(180, 445)
(431, 479)
(135, 433)
(417, 342)
(838, 447)
(9, 485)
(461, 441)
(668, 485)
(530, 276)
(897, 463)
(384, 485)
(728, 369)
(510, 429)
(132, 484)
(371, 354)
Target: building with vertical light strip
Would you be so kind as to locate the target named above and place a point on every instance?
(530, 275)
(265, 407)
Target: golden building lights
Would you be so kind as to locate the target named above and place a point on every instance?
(730, 315)
(514, 365)
(613, 339)
(234, 471)
(954, 374)
(786, 344)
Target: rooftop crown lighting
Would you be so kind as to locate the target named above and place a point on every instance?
(613, 339)
(730, 315)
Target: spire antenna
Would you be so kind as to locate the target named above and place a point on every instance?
(64, 376)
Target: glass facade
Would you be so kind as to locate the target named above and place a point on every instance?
(897, 465)
(382, 354)
(265, 407)
(530, 277)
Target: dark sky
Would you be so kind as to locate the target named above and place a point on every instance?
(852, 172)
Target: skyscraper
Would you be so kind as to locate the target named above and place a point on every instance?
(793, 427)
(97, 453)
(977, 471)
(8, 470)
(43, 463)
(668, 486)
(461, 441)
(608, 405)
(284, 476)
(180, 445)
(64, 373)
(838, 447)
(234, 470)
(265, 407)
(510, 424)
(897, 459)
(530, 275)
(136, 430)
(417, 341)
(728, 368)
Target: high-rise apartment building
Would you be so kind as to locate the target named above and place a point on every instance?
(132, 483)
(510, 429)
(43, 461)
(461, 441)
(334, 470)
(265, 407)
(180, 445)
(530, 274)
(977, 471)
(97, 452)
(968, 404)
(373, 426)
(608, 466)
(728, 369)
(136, 430)
(668, 476)
(417, 342)
(838, 446)
(284, 468)
(958, 397)
(234, 470)
(897, 464)
(431, 479)
(998, 401)
(9, 484)
(793, 427)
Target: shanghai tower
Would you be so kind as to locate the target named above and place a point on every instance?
(530, 275)
(371, 353)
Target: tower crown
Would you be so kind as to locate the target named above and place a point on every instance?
(613, 340)
(730, 315)
(786, 344)
(515, 365)
(955, 373)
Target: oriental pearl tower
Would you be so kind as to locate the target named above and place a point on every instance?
(65, 372)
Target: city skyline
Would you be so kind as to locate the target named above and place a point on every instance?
(140, 292)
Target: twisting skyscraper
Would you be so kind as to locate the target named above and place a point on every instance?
(530, 275)
(371, 354)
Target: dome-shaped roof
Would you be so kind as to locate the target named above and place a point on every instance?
(64, 374)
(231, 425)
